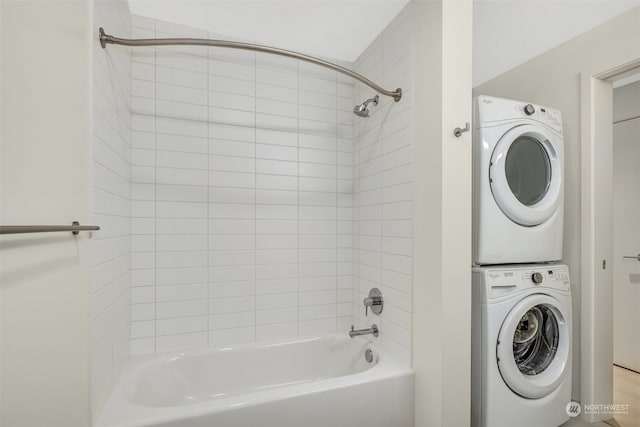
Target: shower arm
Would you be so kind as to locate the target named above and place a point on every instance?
(370, 100)
(106, 39)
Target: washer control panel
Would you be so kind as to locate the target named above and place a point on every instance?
(553, 274)
(507, 280)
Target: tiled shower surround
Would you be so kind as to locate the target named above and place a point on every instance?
(241, 196)
(250, 177)
(383, 175)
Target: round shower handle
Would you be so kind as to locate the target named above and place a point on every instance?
(375, 301)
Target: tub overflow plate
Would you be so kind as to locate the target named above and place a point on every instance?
(368, 355)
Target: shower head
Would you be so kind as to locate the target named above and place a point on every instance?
(361, 109)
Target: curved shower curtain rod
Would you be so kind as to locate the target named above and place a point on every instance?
(106, 39)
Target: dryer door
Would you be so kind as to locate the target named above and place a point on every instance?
(526, 175)
(533, 346)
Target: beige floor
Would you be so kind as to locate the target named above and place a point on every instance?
(626, 390)
(577, 422)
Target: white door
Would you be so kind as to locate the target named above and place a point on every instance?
(626, 243)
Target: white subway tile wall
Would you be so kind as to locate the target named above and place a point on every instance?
(241, 196)
(110, 307)
(382, 170)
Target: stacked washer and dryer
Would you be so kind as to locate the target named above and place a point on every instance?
(521, 331)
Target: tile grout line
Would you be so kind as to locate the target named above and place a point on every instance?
(337, 210)
(382, 288)
(298, 199)
(255, 201)
(155, 202)
(208, 212)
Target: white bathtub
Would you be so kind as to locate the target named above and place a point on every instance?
(302, 382)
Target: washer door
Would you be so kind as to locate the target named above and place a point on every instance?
(533, 346)
(525, 175)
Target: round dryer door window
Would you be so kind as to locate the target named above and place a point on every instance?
(526, 176)
(533, 346)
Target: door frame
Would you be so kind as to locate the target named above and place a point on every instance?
(597, 235)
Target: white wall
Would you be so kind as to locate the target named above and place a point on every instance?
(442, 213)
(242, 195)
(507, 33)
(383, 188)
(44, 278)
(110, 297)
(553, 79)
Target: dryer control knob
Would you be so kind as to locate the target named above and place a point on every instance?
(529, 109)
(537, 278)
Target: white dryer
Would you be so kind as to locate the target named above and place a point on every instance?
(521, 346)
(518, 182)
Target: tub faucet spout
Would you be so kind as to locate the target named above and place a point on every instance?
(373, 330)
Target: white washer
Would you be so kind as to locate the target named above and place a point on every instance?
(518, 183)
(521, 346)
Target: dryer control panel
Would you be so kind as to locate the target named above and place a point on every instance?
(492, 110)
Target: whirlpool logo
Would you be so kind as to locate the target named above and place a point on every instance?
(573, 409)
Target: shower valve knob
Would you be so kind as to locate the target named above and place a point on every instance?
(374, 300)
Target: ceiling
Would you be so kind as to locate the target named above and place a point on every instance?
(506, 33)
(332, 29)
